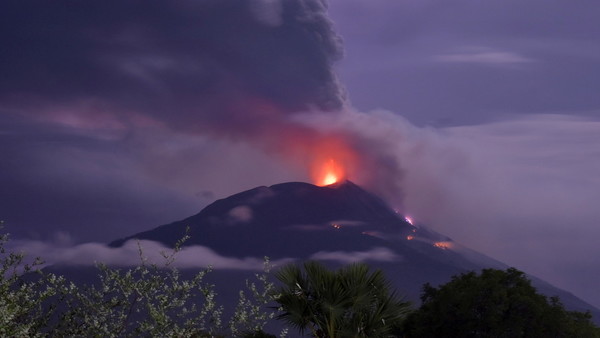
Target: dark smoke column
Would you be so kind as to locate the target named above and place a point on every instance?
(206, 65)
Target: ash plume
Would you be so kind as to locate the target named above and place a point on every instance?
(153, 101)
(244, 71)
(202, 65)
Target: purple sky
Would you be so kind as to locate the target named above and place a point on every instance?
(480, 119)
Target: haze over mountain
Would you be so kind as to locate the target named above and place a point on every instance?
(338, 224)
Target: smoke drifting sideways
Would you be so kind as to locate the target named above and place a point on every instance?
(112, 76)
(62, 252)
(133, 253)
(232, 68)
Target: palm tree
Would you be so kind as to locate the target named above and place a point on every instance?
(349, 302)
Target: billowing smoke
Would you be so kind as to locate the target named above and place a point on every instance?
(229, 67)
(254, 71)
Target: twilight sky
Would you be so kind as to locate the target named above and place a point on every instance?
(480, 119)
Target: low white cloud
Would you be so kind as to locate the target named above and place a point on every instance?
(240, 214)
(196, 256)
(376, 254)
(483, 56)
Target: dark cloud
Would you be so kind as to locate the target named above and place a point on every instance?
(99, 184)
(194, 64)
(106, 105)
(56, 178)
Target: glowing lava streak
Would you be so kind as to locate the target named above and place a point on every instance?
(443, 245)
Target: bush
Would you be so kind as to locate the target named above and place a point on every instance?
(147, 300)
(494, 303)
(349, 302)
(24, 308)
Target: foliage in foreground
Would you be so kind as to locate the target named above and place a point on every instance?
(23, 312)
(148, 300)
(349, 302)
(151, 300)
(495, 303)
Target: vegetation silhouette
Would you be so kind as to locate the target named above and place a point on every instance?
(494, 303)
(352, 301)
(349, 302)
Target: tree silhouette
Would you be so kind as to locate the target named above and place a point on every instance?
(349, 302)
(495, 303)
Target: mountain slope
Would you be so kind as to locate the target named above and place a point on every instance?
(237, 224)
(337, 224)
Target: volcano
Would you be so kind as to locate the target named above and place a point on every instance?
(337, 224)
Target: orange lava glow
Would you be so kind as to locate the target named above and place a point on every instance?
(329, 158)
(330, 173)
(443, 245)
(331, 161)
(410, 237)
